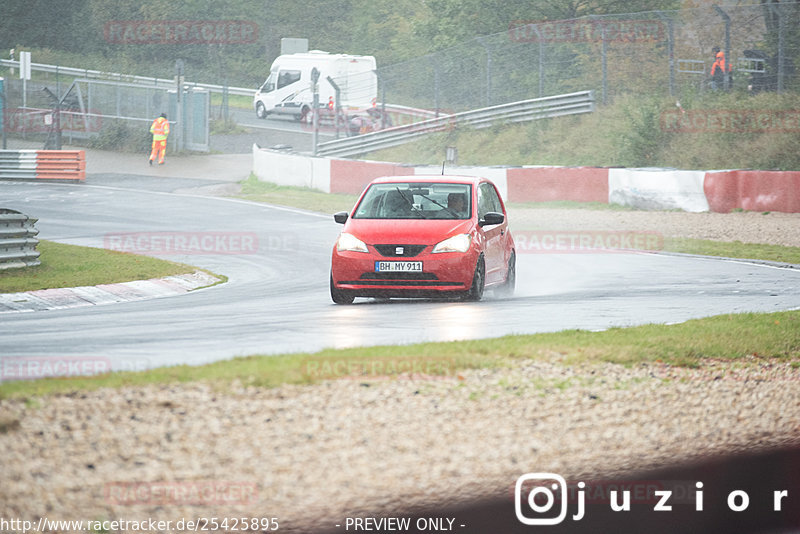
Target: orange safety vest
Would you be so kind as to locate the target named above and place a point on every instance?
(719, 63)
(160, 129)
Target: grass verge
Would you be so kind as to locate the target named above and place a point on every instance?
(727, 337)
(734, 249)
(73, 266)
(297, 197)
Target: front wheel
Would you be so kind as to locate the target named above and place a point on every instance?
(261, 111)
(475, 292)
(340, 296)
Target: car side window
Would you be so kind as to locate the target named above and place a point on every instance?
(485, 200)
(494, 199)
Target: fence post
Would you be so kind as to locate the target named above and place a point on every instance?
(337, 106)
(541, 58)
(604, 54)
(179, 105)
(436, 77)
(2, 110)
(315, 109)
(383, 106)
(225, 98)
(670, 49)
(778, 10)
(488, 71)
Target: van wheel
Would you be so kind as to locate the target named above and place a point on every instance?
(261, 111)
(305, 115)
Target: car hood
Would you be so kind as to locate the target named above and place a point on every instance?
(406, 231)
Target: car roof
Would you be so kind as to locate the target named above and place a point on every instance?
(431, 178)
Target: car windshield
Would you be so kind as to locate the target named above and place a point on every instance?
(415, 201)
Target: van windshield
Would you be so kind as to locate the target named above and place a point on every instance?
(269, 85)
(416, 201)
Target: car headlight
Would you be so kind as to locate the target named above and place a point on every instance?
(457, 243)
(350, 242)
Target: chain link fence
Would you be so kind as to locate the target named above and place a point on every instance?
(657, 52)
(104, 114)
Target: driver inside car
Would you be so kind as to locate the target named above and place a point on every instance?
(457, 203)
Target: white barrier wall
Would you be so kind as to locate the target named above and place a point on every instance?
(653, 189)
(292, 169)
(657, 189)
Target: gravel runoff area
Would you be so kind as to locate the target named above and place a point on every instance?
(313, 455)
(771, 228)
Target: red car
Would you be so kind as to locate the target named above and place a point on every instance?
(424, 236)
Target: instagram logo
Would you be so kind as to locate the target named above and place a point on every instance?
(540, 498)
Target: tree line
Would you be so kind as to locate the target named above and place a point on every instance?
(391, 30)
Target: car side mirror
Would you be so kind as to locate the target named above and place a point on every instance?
(492, 218)
(340, 217)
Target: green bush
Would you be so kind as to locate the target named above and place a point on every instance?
(121, 136)
(641, 140)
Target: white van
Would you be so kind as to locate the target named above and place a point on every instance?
(287, 90)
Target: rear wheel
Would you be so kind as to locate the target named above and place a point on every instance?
(475, 292)
(507, 289)
(304, 115)
(340, 296)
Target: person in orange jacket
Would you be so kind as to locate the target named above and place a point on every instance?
(718, 69)
(160, 131)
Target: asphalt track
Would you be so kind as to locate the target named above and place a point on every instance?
(277, 301)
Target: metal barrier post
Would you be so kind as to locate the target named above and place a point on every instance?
(2, 110)
(315, 110)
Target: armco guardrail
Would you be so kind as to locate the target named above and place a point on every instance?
(17, 240)
(43, 165)
(144, 81)
(526, 110)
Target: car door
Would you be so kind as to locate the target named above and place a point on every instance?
(494, 235)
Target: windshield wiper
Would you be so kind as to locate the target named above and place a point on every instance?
(411, 203)
(453, 213)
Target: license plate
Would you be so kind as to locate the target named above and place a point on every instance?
(398, 266)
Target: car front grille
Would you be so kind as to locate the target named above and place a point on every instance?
(401, 279)
(405, 251)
